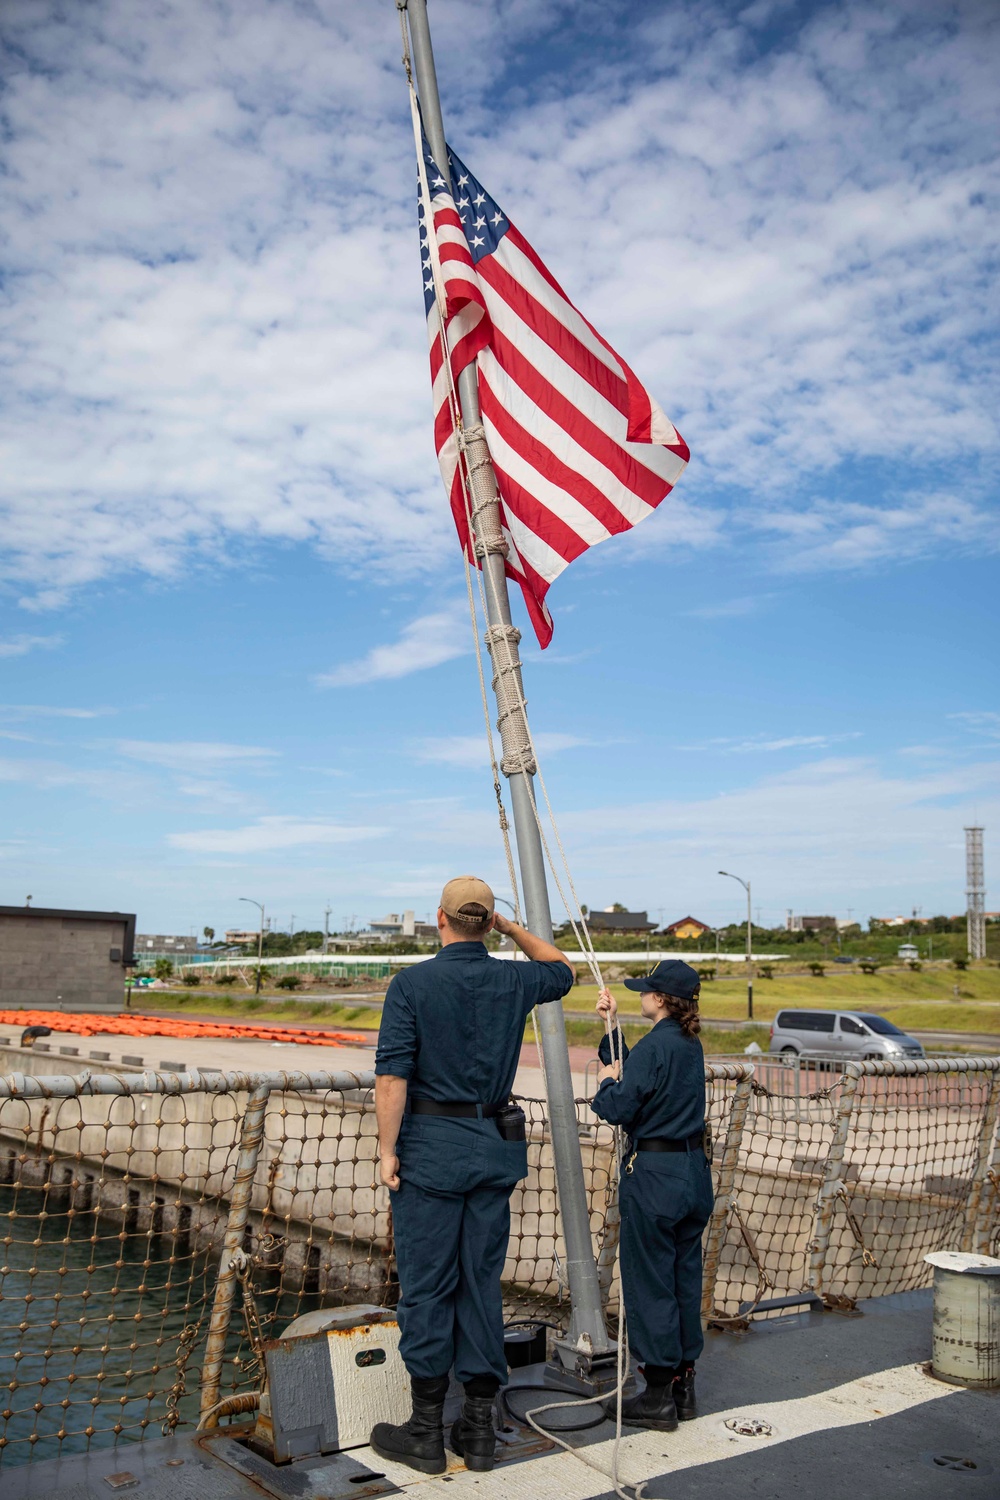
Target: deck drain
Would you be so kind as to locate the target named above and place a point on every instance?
(750, 1427)
(952, 1461)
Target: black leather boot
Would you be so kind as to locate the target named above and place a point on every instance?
(420, 1441)
(684, 1397)
(472, 1436)
(654, 1407)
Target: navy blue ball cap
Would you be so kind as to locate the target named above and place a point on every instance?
(670, 977)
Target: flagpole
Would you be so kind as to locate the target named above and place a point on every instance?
(587, 1331)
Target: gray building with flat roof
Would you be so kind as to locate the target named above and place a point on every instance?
(50, 957)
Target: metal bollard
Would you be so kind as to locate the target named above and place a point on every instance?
(966, 1318)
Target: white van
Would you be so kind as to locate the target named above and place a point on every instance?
(854, 1035)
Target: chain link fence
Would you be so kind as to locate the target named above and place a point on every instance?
(156, 1228)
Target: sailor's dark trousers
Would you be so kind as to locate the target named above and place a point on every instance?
(666, 1202)
(451, 1224)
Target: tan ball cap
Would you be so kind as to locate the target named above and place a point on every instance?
(463, 889)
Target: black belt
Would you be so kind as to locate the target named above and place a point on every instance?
(455, 1111)
(660, 1143)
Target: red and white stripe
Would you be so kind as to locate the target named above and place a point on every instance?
(580, 448)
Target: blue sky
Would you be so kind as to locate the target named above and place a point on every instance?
(233, 653)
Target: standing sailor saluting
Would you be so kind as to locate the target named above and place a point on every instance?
(656, 1092)
(451, 1151)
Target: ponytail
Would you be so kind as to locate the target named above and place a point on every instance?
(684, 1012)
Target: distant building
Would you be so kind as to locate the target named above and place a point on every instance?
(891, 921)
(908, 951)
(400, 925)
(620, 922)
(50, 957)
(159, 943)
(238, 937)
(687, 927)
(395, 925)
(811, 924)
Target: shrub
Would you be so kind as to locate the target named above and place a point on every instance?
(766, 971)
(288, 982)
(869, 966)
(226, 979)
(190, 980)
(915, 965)
(818, 969)
(960, 963)
(163, 968)
(706, 974)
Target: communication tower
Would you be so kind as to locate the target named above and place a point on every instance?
(975, 892)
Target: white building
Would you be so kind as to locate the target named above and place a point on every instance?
(395, 925)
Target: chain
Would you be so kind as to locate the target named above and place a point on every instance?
(243, 1266)
(185, 1345)
(764, 1281)
(867, 1256)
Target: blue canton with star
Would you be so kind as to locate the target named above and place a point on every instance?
(484, 224)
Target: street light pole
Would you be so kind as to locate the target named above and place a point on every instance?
(260, 938)
(746, 886)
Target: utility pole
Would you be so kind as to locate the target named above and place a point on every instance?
(586, 1331)
(746, 886)
(326, 928)
(260, 939)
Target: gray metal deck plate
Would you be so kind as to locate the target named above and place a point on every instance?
(852, 1410)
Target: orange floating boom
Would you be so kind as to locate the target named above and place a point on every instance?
(130, 1025)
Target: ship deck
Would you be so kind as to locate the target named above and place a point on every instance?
(851, 1408)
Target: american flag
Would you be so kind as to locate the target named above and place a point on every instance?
(580, 449)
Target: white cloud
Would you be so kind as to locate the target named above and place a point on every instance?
(837, 831)
(469, 751)
(270, 834)
(213, 312)
(20, 645)
(46, 711)
(763, 745)
(789, 742)
(982, 722)
(425, 642)
(729, 609)
(192, 755)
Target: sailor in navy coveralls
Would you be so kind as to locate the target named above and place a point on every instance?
(657, 1094)
(448, 1049)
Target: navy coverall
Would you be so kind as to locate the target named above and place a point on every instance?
(665, 1199)
(453, 1027)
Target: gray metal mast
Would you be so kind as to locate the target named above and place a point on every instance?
(975, 894)
(502, 637)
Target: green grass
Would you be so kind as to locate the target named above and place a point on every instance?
(223, 1006)
(923, 1001)
(713, 1038)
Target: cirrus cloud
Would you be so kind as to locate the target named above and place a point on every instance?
(270, 834)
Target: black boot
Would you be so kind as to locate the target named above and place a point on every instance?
(420, 1441)
(472, 1436)
(654, 1407)
(684, 1397)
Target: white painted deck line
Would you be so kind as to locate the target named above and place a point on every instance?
(645, 1455)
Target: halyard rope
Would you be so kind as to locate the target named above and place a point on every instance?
(527, 755)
